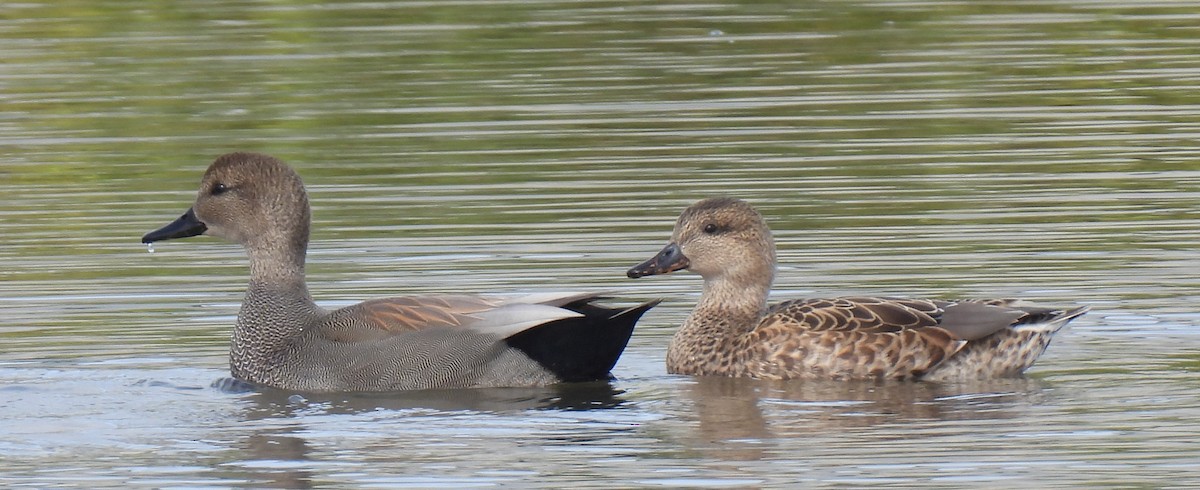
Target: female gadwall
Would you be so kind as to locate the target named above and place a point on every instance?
(284, 340)
(732, 332)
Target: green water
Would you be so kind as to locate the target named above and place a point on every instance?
(1045, 150)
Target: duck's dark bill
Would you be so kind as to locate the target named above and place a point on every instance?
(670, 259)
(186, 226)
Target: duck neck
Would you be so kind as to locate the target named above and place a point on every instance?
(281, 267)
(728, 308)
(742, 303)
(276, 308)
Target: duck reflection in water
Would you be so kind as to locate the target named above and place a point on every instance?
(741, 418)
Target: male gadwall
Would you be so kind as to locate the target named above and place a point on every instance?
(732, 332)
(284, 340)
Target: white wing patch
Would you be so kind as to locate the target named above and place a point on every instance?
(514, 318)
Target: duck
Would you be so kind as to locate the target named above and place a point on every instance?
(733, 332)
(282, 339)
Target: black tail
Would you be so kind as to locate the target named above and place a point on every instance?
(584, 348)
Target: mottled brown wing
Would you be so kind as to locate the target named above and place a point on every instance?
(850, 338)
(855, 314)
(378, 318)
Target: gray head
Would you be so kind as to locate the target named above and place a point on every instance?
(718, 238)
(249, 198)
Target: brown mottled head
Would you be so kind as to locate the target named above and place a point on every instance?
(717, 237)
(249, 198)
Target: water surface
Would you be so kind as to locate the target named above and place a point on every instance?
(1044, 150)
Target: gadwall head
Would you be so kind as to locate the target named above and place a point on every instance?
(249, 198)
(718, 238)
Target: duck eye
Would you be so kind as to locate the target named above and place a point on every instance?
(218, 189)
(710, 229)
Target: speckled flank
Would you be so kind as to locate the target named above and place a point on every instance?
(731, 332)
(1008, 352)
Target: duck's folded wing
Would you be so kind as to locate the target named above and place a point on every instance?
(859, 314)
(974, 320)
(554, 298)
(379, 318)
(408, 313)
(885, 338)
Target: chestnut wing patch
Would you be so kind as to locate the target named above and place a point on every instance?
(412, 313)
(379, 319)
